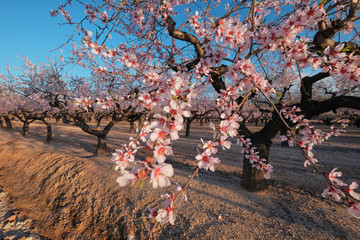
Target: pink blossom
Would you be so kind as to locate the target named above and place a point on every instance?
(164, 216)
(213, 128)
(158, 134)
(333, 177)
(224, 143)
(354, 210)
(287, 138)
(336, 53)
(118, 158)
(83, 102)
(152, 213)
(176, 111)
(133, 142)
(54, 13)
(310, 161)
(210, 147)
(244, 142)
(129, 154)
(228, 128)
(125, 178)
(161, 121)
(174, 128)
(268, 168)
(253, 157)
(335, 192)
(161, 150)
(160, 175)
(351, 191)
(179, 189)
(207, 162)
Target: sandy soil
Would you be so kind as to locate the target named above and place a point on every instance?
(65, 192)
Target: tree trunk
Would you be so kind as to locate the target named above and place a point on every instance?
(1, 123)
(48, 130)
(8, 123)
(98, 124)
(201, 121)
(48, 133)
(57, 119)
(132, 126)
(26, 128)
(101, 146)
(253, 179)
(187, 132)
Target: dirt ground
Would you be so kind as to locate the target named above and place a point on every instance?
(62, 191)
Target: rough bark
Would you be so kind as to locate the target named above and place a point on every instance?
(99, 133)
(48, 133)
(25, 128)
(132, 127)
(8, 123)
(253, 179)
(307, 83)
(102, 145)
(48, 130)
(188, 124)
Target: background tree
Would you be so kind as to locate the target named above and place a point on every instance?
(203, 108)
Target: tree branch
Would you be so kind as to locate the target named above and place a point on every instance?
(306, 85)
(187, 37)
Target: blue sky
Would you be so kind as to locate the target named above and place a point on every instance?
(28, 30)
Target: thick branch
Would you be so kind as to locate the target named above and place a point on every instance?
(311, 109)
(217, 74)
(187, 37)
(306, 85)
(323, 38)
(315, 108)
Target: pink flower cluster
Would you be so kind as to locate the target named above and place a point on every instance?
(310, 137)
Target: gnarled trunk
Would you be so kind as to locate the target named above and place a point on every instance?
(101, 146)
(48, 131)
(25, 128)
(8, 123)
(253, 179)
(132, 126)
(188, 123)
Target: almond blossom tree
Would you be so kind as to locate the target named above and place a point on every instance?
(252, 53)
(26, 98)
(84, 103)
(204, 107)
(5, 107)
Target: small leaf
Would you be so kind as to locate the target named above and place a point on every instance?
(346, 49)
